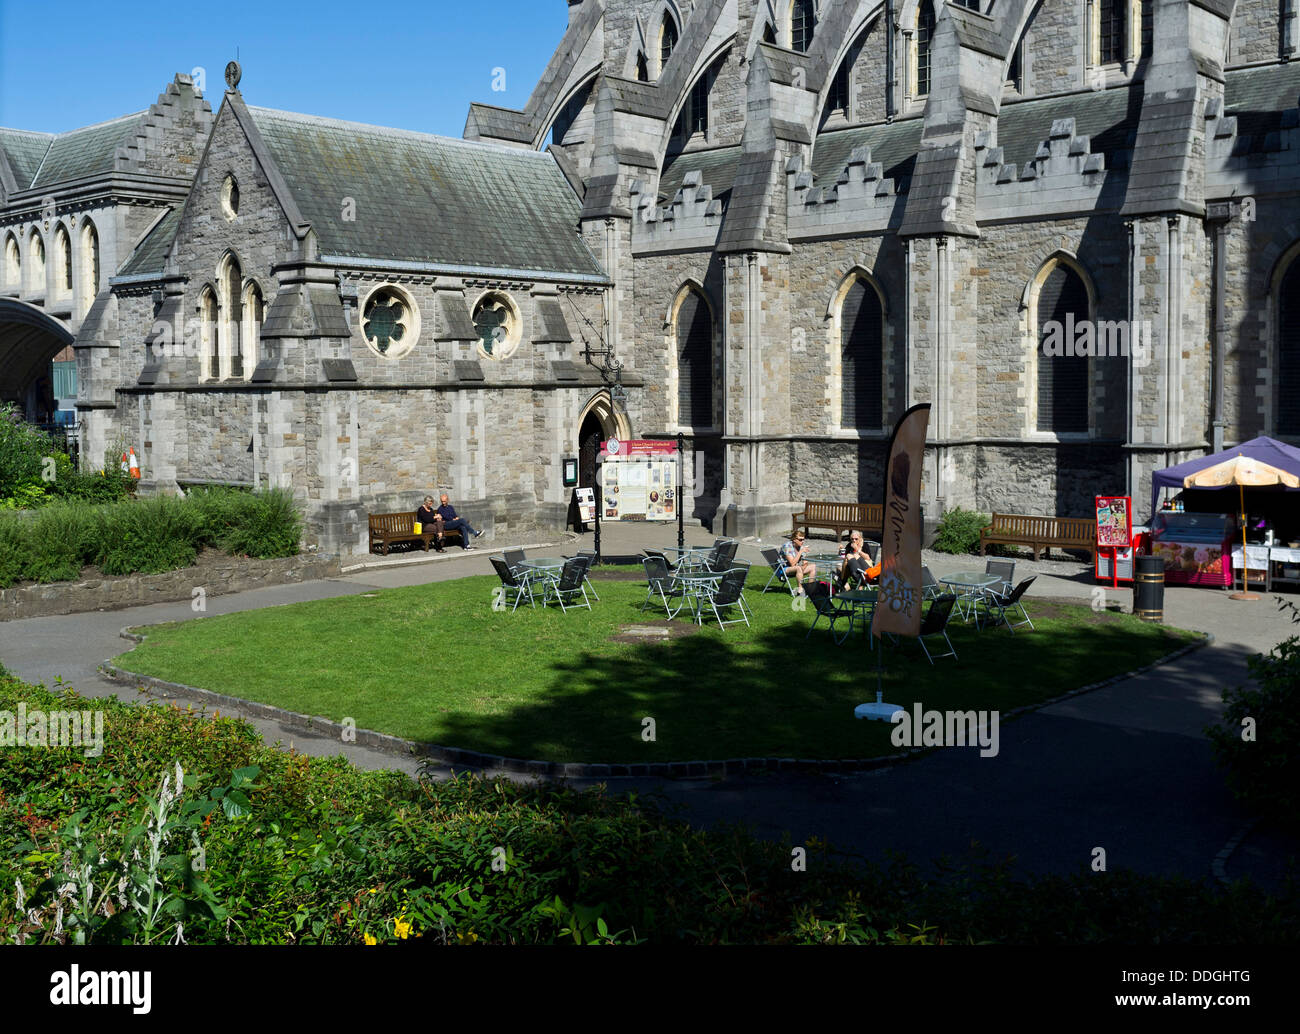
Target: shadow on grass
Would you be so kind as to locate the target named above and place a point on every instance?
(774, 692)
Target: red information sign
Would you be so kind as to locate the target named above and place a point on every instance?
(639, 480)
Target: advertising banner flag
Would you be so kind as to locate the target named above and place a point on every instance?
(898, 608)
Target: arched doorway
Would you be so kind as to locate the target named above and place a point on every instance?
(598, 422)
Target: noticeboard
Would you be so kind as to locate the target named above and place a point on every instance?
(639, 480)
(586, 504)
(1114, 521)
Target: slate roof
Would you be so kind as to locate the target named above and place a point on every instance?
(24, 150)
(149, 253)
(717, 169)
(85, 152)
(1258, 96)
(428, 199)
(1108, 117)
(893, 145)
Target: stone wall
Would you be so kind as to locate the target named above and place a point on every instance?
(217, 575)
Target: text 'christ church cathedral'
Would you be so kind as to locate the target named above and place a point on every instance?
(1070, 225)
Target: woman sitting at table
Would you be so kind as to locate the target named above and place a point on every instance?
(857, 569)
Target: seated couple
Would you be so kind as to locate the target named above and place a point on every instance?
(444, 519)
(856, 569)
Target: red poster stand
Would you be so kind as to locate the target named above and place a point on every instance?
(1114, 515)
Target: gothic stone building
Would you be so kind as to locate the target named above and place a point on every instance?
(1069, 225)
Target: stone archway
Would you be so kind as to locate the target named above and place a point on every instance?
(598, 422)
(29, 339)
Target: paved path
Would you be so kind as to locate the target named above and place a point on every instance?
(1126, 768)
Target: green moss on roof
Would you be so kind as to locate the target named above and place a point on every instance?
(424, 198)
(85, 152)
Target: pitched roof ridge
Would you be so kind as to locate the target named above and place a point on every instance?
(322, 120)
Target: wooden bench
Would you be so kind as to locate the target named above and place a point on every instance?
(839, 518)
(387, 528)
(1040, 533)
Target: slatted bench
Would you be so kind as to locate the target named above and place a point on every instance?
(1040, 533)
(839, 518)
(387, 528)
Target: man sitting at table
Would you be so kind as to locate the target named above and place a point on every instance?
(793, 551)
(857, 569)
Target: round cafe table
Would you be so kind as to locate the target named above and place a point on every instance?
(860, 600)
(970, 586)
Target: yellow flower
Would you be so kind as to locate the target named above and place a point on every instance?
(400, 928)
(466, 936)
(370, 940)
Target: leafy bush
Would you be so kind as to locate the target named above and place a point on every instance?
(22, 448)
(254, 845)
(150, 535)
(1264, 770)
(959, 531)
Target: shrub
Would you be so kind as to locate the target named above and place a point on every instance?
(271, 527)
(61, 539)
(1264, 771)
(15, 552)
(160, 533)
(22, 448)
(959, 531)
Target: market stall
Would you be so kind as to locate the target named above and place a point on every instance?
(1200, 530)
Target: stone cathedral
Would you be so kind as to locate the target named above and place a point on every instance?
(770, 226)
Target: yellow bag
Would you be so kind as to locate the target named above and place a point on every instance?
(419, 528)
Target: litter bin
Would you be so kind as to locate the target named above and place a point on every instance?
(1149, 587)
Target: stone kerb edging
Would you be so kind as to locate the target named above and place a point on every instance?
(217, 576)
(476, 760)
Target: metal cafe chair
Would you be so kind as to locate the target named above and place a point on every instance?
(1004, 569)
(779, 570)
(518, 585)
(935, 623)
(929, 587)
(569, 585)
(590, 554)
(829, 608)
(661, 582)
(728, 592)
(1004, 601)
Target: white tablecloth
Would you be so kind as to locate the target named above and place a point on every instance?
(1259, 556)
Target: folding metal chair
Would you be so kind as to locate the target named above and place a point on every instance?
(590, 554)
(1004, 569)
(512, 583)
(514, 557)
(828, 607)
(728, 593)
(569, 585)
(936, 623)
(1004, 601)
(661, 583)
(779, 570)
(929, 587)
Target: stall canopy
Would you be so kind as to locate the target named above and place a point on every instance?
(1266, 450)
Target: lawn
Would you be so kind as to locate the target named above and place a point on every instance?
(436, 663)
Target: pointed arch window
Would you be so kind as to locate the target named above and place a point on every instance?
(1147, 32)
(803, 21)
(642, 68)
(210, 364)
(63, 259)
(924, 39)
(1288, 353)
(13, 263)
(694, 329)
(254, 314)
(36, 248)
(231, 354)
(89, 262)
(1062, 376)
(667, 40)
(862, 357)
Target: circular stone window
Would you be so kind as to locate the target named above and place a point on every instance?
(496, 318)
(389, 322)
(230, 197)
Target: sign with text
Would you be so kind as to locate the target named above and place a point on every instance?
(586, 504)
(639, 480)
(1114, 521)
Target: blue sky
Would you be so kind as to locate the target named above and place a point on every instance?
(410, 65)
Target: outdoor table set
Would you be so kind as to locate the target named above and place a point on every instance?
(703, 578)
(970, 588)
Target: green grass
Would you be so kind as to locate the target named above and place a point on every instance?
(436, 664)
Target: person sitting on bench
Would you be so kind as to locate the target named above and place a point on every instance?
(450, 522)
(428, 517)
(857, 568)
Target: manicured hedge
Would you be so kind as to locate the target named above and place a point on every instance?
(266, 846)
(148, 535)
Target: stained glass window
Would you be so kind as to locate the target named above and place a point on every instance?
(385, 321)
